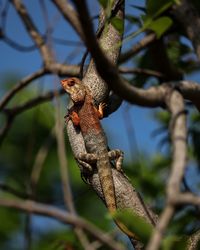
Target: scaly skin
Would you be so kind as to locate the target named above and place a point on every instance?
(85, 114)
(94, 137)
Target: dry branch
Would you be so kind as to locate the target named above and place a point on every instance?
(62, 216)
(176, 106)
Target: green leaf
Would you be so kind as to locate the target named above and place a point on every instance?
(160, 25)
(107, 5)
(195, 117)
(174, 243)
(135, 224)
(118, 24)
(103, 3)
(10, 223)
(163, 117)
(147, 21)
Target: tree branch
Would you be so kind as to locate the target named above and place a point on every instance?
(60, 215)
(12, 112)
(126, 196)
(175, 104)
(32, 31)
(33, 102)
(152, 97)
(20, 85)
(142, 44)
(70, 15)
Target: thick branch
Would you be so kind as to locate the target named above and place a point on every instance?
(152, 97)
(126, 196)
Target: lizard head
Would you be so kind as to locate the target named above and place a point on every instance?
(74, 87)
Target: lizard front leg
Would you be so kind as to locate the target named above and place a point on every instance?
(100, 110)
(74, 117)
(117, 156)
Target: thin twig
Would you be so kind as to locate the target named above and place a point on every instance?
(142, 44)
(188, 198)
(20, 85)
(11, 113)
(70, 15)
(33, 102)
(4, 187)
(148, 72)
(67, 42)
(17, 46)
(62, 216)
(39, 161)
(176, 106)
(161, 226)
(4, 130)
(32, 31)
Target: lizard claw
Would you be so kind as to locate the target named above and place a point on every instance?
(101, 108)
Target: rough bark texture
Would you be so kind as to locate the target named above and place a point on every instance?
(126, 195)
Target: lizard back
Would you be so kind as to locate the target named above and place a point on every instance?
(96, 142)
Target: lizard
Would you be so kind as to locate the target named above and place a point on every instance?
(85, 115)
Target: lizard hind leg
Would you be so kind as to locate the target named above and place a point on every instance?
(117, 156)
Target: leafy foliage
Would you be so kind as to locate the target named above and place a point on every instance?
(132, 220)
(160, 25)
(118, 24)
(174, 243)
(30, 132)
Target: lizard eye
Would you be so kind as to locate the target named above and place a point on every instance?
(71, 83)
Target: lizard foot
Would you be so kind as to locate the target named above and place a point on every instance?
(100, 110)
(117, 156)
(87, 160)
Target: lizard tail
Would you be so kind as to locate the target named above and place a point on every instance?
(125, 230)
(107, 183)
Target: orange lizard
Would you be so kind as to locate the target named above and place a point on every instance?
(85, 115)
